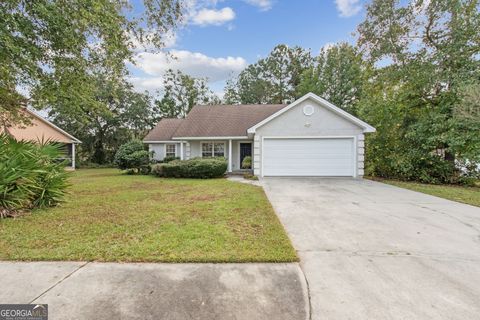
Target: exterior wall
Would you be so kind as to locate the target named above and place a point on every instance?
(38, 130)
(294, 123)
(159, 150)
(195, 150)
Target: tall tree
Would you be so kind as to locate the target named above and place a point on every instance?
(430, 51)
(272, 79)
(182, 92)
(338, 76)
(48, 49)
(119, 114)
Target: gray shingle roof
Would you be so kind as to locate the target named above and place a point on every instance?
(164, 130)
(214, 121)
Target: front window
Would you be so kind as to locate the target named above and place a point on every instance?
(170, 150)
(213, 149)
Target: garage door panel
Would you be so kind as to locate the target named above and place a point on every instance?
(308, 157)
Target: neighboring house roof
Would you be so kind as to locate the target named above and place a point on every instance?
(366, 127)
(40, 129)
(164, 130)
(224, 120)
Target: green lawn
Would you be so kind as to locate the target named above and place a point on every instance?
(110, 216)
(468, 195)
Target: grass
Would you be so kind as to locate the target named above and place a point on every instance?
(468, 195)
(109, 216)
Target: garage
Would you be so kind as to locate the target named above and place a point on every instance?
(328, 157)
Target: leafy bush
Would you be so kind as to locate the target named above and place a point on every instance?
(157, 169)
(249, 176)
(170, 159)
(133, 157)
(247, 163)
(30, 175)
(196, 168)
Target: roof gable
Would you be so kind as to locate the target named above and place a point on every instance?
(40, 128)
(322, 102)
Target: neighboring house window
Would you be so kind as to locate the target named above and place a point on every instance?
(171, 150)
(213, 149)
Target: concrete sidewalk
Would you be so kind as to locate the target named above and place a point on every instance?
(79, 290)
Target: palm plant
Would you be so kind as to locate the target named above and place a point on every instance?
(30, 176)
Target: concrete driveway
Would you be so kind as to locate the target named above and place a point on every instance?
(374, 251)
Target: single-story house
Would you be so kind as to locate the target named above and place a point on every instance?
(40, 129)
(308, 137)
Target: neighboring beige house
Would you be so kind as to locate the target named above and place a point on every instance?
(309, 137)
(40, 129)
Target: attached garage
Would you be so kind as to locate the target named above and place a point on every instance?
(309, 138)
(309, 156)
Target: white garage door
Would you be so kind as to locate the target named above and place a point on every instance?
(308, 157)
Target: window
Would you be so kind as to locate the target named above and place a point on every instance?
(213, 149)
(170, 150)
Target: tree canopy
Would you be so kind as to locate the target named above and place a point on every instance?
(50, 50)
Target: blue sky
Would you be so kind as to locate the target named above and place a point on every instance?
(219, 38)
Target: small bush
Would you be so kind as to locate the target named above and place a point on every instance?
(30, 175)
(196, 168)
(132, 157)
(247, 163)
(249, 176)
(157, 169)
(170, 159)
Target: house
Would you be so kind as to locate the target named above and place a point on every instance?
(40, 129)
(309, 137)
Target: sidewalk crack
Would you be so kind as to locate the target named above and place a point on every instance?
(59, 281)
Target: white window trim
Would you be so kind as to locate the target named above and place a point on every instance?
(213, 147)
(170, 144)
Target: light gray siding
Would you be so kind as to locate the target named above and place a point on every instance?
(194, 150)
(322, 123)
(159, 150)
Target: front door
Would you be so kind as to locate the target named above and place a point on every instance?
(245, 151)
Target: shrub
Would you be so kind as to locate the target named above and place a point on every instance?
(133, 157)
(247, 163)
(195, 168)
(30, 175)
(170, 159)
(157, 169)
(249, 176)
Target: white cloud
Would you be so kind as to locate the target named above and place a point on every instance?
(264, 5)
(348, 8)
(215, 17)
(196, 64)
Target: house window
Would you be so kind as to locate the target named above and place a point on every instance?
(213, 149)
(170, 150)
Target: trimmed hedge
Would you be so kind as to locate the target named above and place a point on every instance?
(199, 168)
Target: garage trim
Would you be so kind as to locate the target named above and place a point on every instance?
(354, 139)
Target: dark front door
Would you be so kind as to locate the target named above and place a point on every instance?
(245, 151)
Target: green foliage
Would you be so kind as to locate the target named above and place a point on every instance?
(157, 169)
(196, 168)
(170, 159)
(120, 114)
(30, 175)
(247, 163)
(272, 79)
(337, 76)
(422, 101)
(54, 48)
(182, 92)
(133, 157)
